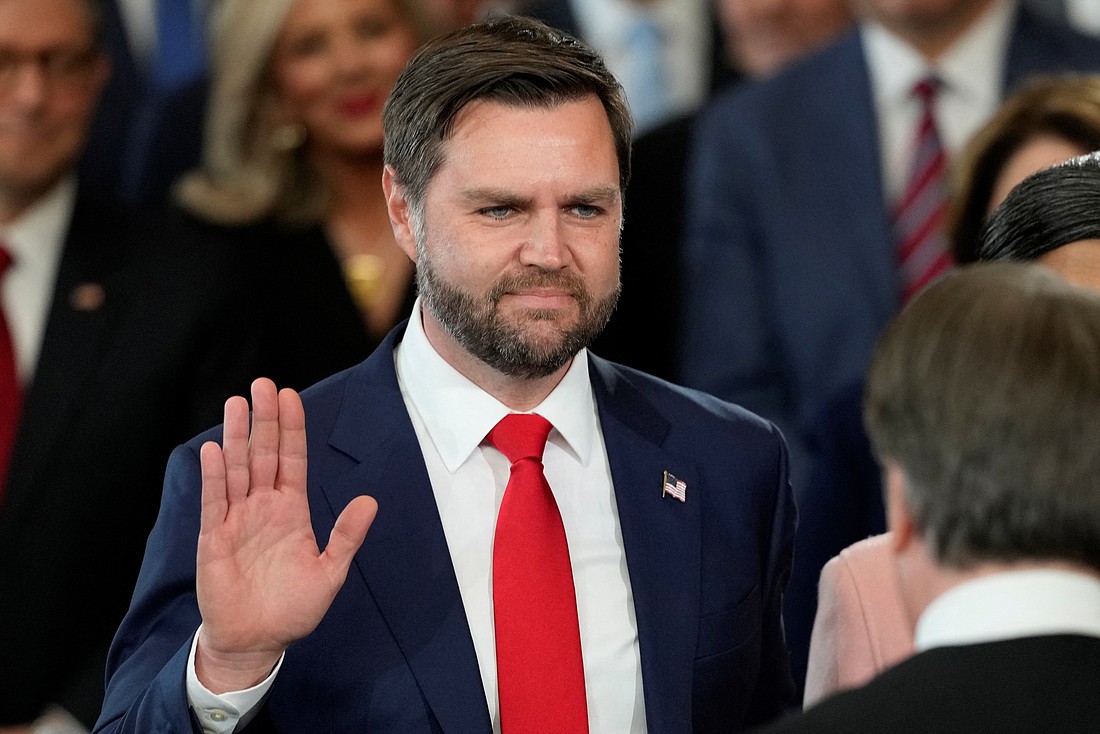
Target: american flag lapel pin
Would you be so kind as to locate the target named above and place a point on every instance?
(674, 487)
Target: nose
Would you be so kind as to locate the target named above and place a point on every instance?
(546, 246)
(350, 57)
(30, 86)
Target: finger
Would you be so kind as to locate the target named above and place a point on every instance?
(235, 449)
(215, 504)
(347, 536)
(263, 447)
(292, 443)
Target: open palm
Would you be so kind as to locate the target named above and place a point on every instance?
(262, 581)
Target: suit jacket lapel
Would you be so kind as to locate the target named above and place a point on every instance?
(417, 592)
(67, 359)
(662, 540)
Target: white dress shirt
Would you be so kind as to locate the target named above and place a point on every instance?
(451, 417)
(1010, 605)
(35, 241)
(972, 72)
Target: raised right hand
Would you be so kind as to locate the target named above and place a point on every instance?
(262, 581)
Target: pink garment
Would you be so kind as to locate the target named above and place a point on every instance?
(861, 626)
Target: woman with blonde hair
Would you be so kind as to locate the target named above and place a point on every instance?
(292, 165)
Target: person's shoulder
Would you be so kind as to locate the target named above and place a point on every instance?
(870, 554)
(783, 93)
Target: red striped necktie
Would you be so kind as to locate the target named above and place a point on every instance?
(10, 393)
(540, 672)
(918, 216)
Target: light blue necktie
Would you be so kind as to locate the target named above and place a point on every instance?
(649, 95)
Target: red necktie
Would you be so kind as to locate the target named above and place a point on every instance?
(10, 394)
(540, 674)
(919, 214)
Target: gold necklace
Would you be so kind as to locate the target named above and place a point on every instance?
(363, 274)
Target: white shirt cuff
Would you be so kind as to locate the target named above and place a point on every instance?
(223, 713)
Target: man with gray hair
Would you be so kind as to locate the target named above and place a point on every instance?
(982, 401)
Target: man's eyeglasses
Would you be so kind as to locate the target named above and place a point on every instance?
(58, 66)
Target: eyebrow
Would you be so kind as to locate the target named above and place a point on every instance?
(508, 198)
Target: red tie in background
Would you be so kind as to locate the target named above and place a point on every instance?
(10, 394)
(919, 214)
(540, 673)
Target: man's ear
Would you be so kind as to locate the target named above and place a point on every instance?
(899, 519)
(400, 212)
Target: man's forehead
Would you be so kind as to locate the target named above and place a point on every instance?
(45, 23)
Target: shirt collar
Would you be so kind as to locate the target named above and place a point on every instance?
(36, 239)
(1012, 605)
(972, 68)
(458, 414)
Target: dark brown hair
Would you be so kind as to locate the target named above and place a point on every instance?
(513, 60)
(1064, 107)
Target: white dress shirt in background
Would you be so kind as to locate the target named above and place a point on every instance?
(35, 241)
(972, 72)
(1011, 605)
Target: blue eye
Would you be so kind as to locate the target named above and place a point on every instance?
(496, 212)
(586, 211)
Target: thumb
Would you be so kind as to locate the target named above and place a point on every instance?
(348, 534)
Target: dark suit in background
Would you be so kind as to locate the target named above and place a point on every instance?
(643, 333)
(138, 352)
(706, 575)
(790, 271)
(142, 138)
(1021, 686)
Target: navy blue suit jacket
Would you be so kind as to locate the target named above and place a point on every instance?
(394, 652)
(789, 272)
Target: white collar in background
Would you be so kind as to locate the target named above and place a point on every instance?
(973, 67)
(36, 241)
(1012, 605)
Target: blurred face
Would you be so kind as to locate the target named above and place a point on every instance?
(517, 248)
(763, 35)
(334, 64)
(1042, 151)
(930, 25)
(50, 77)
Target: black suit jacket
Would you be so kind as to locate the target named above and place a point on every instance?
(143, 345)
(1022, 686)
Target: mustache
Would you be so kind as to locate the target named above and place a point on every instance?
(570, 283)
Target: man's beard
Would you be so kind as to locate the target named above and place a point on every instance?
(477, 324)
